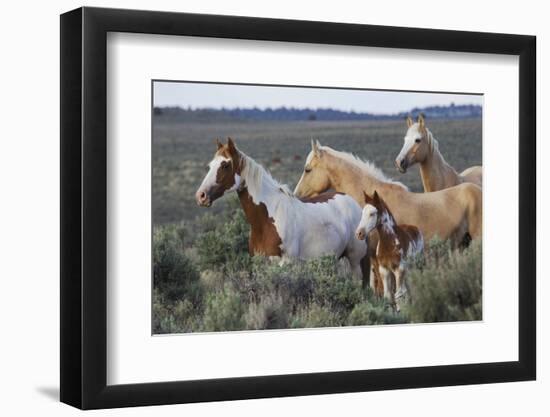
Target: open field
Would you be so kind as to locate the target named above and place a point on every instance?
(204, 279)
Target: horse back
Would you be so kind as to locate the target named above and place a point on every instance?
(473, 174)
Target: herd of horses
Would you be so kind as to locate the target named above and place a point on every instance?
(347, 207)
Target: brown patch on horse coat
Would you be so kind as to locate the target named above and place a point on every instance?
(393, 248)
(264, 238)
(321, 198)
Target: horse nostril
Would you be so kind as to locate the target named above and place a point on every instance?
(201, 197)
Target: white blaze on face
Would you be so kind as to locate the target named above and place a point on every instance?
(413, 133)
(210, 179)
(369, 217)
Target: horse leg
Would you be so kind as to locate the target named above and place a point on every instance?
(375, 279)
(402, 286)
(365, 271)
(387, 280)
(356, 252)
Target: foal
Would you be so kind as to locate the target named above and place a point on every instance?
(396, 244)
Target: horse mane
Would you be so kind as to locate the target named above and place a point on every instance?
(432, 141)
(387, 209)
(256, 177)
(433, 145)
(364, 165)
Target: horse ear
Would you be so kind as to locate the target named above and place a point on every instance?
(219, 144)
(368, 199)
(409, 121)
(316, 147)
(376, 198)
(421, 120)
(231, 144)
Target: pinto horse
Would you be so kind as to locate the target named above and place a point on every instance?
(420, 146)
(281, 224)
(396, 244)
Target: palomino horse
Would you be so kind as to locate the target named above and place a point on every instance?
(421, 147)
(453, 213)
(281, 224)
(396, 244)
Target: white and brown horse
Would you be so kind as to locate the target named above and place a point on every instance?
(281, 224)
(454, 213)
(397, 244)
(421, 147)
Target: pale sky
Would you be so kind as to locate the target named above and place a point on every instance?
(200, 95)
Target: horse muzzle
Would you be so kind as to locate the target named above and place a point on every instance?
(401, 165)
(203, 199)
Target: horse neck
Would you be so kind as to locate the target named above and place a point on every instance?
(255, 214)
(435, 172)
(260, 194)
(350, 179)
(262, 188)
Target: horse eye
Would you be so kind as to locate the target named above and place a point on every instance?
(306, 170)
(417, 140)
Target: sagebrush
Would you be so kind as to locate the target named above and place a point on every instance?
(207, 282)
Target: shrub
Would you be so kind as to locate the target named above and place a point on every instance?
(175, 317)
(449, 286)
(236, 292)
(223, 312)
(212, 281)
(174, 275)
(334, 286)
(315, 315)
(374, 312)
(269, 313)
(226, 244)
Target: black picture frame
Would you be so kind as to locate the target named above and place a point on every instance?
(84, 207)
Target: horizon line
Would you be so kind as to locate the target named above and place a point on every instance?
(315, 109)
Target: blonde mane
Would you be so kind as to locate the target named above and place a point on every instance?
(432, 141)
(363, 165)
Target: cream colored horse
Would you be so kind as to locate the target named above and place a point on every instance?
(421, 147)
(453, 213)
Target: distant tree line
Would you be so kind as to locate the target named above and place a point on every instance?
(325, 114)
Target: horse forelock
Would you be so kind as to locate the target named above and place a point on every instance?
(363, 165)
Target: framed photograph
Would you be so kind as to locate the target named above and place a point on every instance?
(257, 208)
